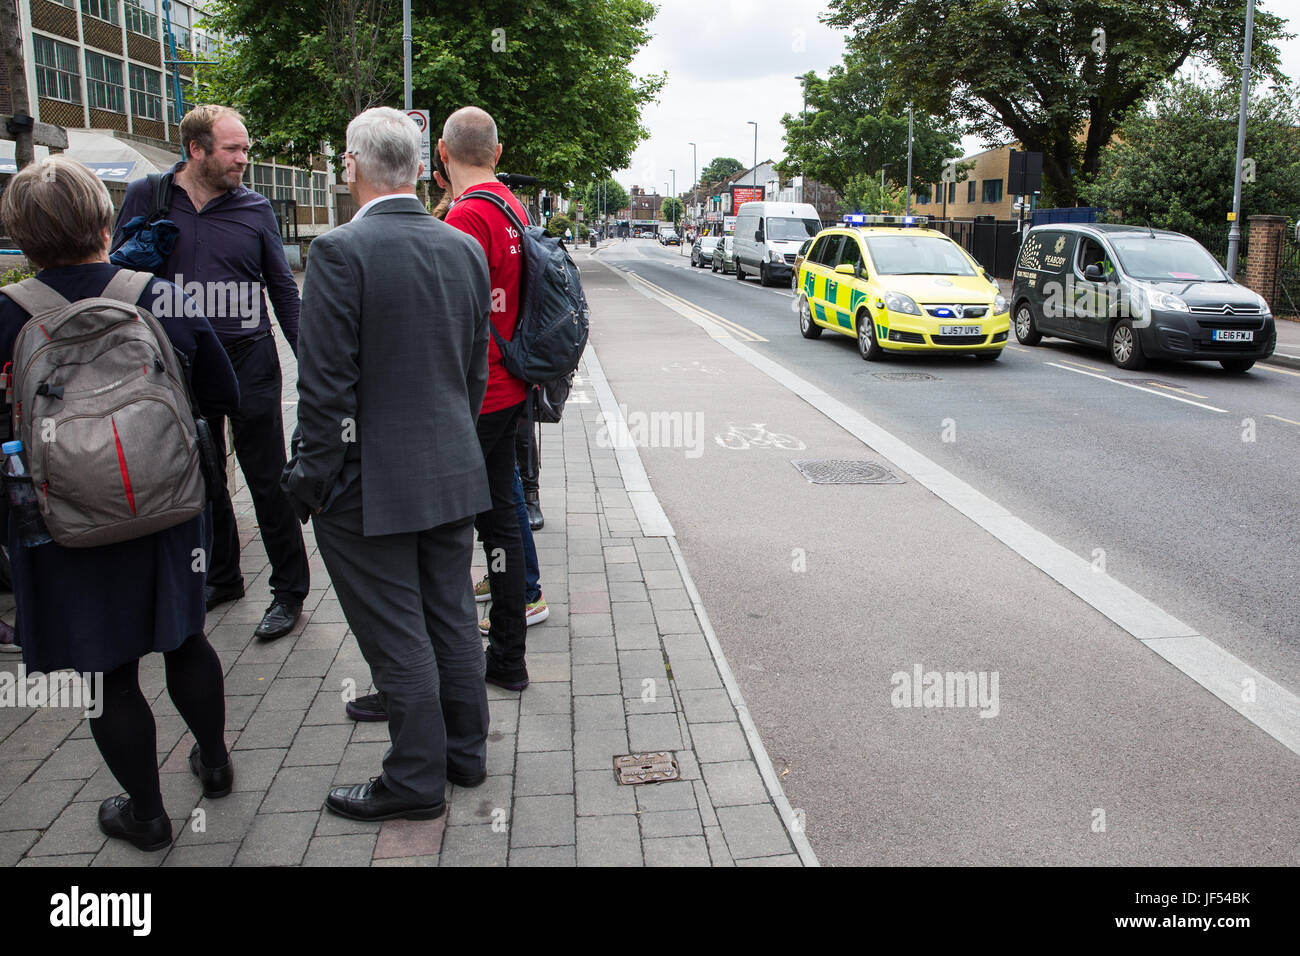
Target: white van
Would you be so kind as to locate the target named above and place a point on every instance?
(768, 236)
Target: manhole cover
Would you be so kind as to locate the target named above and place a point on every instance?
(1154, 381)
(645, 768)
(830, 471)
(906, 376)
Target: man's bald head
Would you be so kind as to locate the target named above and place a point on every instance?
(470, 135)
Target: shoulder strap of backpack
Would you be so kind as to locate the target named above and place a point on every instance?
(127, 286)
(34, 296)
(498, 202)
(161, 186)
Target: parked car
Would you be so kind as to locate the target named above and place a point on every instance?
(669, 238)
(1139, 293)
(702, 251)
(769, 234)
(724, 255)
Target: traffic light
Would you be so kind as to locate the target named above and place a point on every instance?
(546, 207)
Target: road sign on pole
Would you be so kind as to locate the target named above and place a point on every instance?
(421, 118)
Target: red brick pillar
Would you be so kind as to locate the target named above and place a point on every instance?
(1264, 257)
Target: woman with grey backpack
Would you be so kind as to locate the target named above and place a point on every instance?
(118, 481)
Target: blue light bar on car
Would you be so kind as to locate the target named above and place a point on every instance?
(861, 219)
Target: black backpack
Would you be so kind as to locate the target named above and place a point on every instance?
(551, 330)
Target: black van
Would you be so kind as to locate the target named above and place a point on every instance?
(1138, 292)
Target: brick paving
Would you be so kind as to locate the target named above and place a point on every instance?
(622, 665)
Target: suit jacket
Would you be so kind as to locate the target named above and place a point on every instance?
(392, 368)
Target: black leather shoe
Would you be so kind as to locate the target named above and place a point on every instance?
(280, 618)
(116, 820)
(374, 801)
(534, 508)
(218, 596)
(463, 780)
(366, 707)
(216, 783)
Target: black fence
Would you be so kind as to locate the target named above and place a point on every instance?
(1215, 242)
(992, 243)
(1288, 299)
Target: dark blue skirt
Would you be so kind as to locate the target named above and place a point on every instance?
(94, 609)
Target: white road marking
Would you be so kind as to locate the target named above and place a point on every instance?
(1140, 388)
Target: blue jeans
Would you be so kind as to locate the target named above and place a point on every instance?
(532, 574)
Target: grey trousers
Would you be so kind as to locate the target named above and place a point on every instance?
(409, 601)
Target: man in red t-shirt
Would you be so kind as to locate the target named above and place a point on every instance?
(469, 149)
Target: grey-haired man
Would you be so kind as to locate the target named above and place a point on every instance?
(392, 367)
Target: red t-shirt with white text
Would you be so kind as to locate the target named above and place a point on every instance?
(504, 248)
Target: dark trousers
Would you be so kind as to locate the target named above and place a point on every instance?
(409, 601)
(498, 528)
(526, 455)
(259, 445)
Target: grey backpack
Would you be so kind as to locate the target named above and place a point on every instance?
(100, 404)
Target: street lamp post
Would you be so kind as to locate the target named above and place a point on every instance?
(1234, 232)
(803, 82)
(908, 209)
(695, 175)
(755, 125)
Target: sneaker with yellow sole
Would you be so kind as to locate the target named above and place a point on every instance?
(535, 613)
(483, 590)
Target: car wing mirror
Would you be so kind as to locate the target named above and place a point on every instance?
(845, 269)
(1093, 272)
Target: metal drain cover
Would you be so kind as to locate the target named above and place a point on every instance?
(831, 471)
(906, 376)
(646, 768)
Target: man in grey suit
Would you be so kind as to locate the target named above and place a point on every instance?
(392, 367)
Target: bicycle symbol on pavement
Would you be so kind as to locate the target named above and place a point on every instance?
(693, 367)
(740, 437)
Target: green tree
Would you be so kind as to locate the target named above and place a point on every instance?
(863, 194)
(615, 198)
(558, 223)
(720, 169)
(1057, 75)
(555, 74)
(851, 129)
(671, 210)
(1172, 163)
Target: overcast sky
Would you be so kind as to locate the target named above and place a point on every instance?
(732, 61)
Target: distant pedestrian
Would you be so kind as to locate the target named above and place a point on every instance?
(391, 375)
(101, 609)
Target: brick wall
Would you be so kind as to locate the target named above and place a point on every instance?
(1264, 257)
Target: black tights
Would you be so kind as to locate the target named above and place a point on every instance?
(125, 731)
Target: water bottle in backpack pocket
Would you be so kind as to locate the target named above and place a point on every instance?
(22, 497)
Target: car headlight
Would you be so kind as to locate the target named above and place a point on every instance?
(1163, 300)
(774, 256)
(1000, 304)
(897, 302)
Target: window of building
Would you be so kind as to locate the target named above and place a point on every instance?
(66, 3)
(146, 92)
(57, 76)
(319, 184)
(103, 9)
(302, 187)
(952, 192)
(186, 102)
(104, 87)
(283, 183)
(248, 176)
(142, 17)
(205, 45)
(263, 180)
(923, 195)
(992, 190)
(181, 21)
(970, 191)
